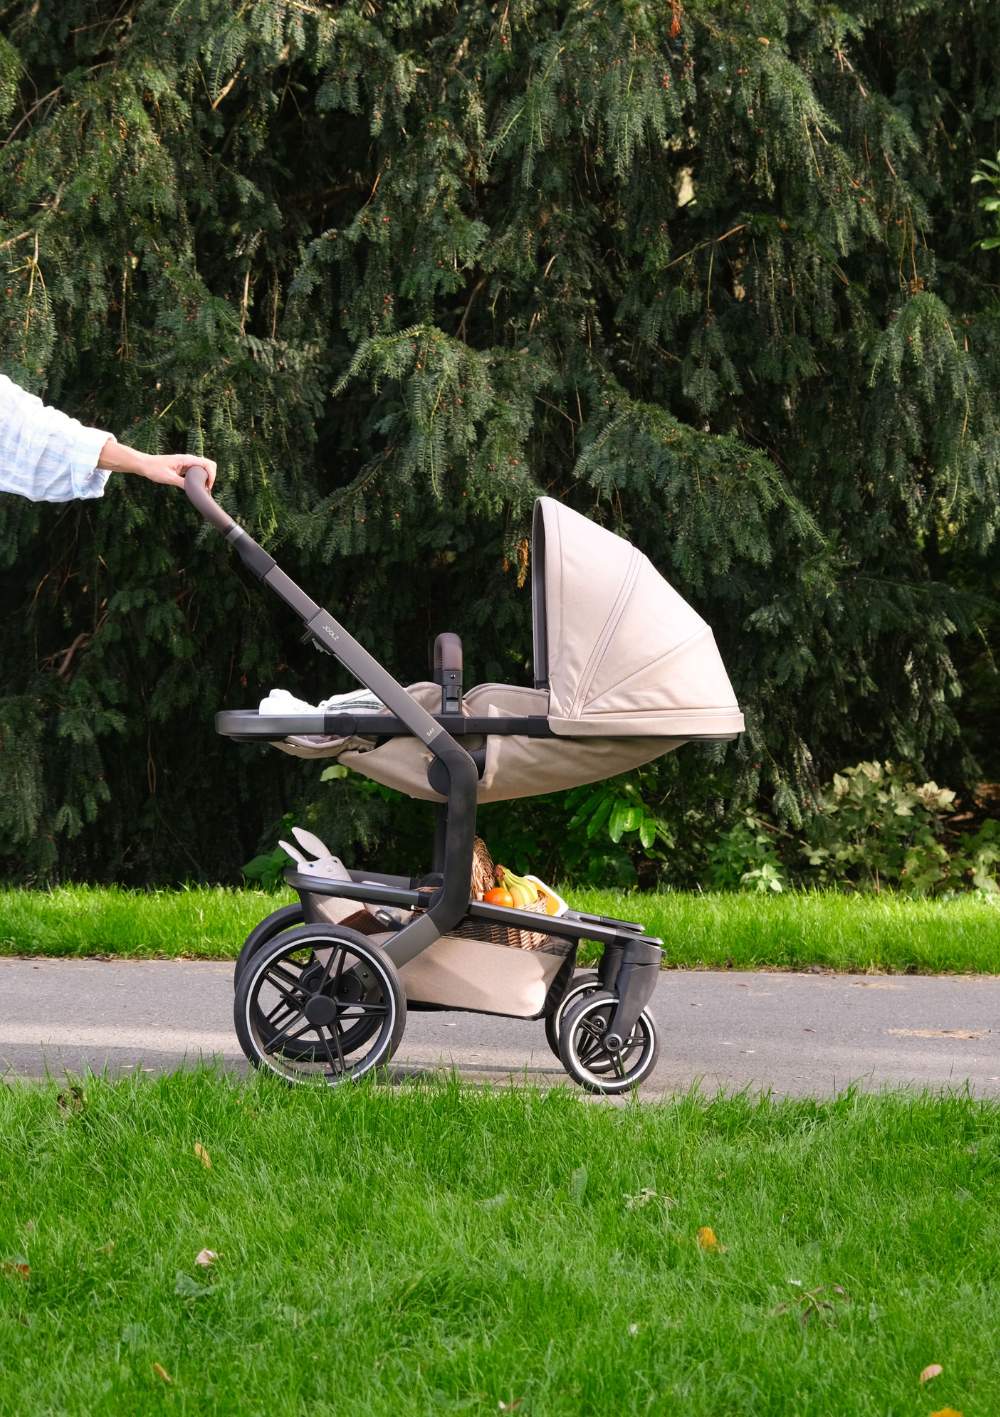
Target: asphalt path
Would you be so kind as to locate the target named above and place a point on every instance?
(793, 1034)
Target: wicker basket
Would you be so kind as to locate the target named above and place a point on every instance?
(483, 930)
(511, 939)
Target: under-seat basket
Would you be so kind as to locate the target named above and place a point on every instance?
(502, 935)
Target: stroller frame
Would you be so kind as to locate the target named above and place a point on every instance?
(631, 959)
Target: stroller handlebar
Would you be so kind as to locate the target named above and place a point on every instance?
(450, 902)
(196, 487)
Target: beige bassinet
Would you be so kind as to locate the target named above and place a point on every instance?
(625, 671)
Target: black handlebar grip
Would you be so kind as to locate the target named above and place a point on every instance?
(447, 654)
(196, 487)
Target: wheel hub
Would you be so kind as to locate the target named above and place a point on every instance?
(320, 1010)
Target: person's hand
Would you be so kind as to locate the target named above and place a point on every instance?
(165, 468)
(169, 468)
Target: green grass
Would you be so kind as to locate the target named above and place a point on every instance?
(200, 923)
(431, 1249)
(794, 930)
(798, 929)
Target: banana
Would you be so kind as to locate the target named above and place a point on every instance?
(525, 892)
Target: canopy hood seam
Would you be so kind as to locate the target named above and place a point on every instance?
(611, 624)
(699, 634)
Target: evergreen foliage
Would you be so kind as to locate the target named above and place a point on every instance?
(707, 271)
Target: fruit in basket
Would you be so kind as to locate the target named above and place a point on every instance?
(499, 895)
(554, 904)
(524, 891)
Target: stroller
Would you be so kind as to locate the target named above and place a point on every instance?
(624, 671)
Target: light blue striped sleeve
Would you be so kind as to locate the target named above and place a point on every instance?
(45, 455)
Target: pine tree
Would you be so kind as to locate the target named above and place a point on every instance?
(704, 270)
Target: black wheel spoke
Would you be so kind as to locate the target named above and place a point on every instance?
(587, 1049)
(292, 997)
(591, 1040)
(334, 1031)
(364, 1009)
(286, 1036)
(285, 1010)
(278, 971)
(336, 953)
(329, 1051)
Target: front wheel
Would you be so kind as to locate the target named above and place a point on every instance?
(321, 1004)
(586, 1056)
(586, 982)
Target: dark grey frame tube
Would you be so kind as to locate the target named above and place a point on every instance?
(449, 903)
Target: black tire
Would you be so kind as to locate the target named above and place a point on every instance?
(594, 1067)
(585, 982)
(273, 925)
(344, 1015)
(284, 919)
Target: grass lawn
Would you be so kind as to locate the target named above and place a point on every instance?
(743, 931)
(441, 1249)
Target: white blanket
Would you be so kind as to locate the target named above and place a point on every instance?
(280, 701)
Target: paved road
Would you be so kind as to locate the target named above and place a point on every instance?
(793, 1033)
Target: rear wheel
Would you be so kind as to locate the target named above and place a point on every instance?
(272, 925)
(320, 1004)
(586, 1056)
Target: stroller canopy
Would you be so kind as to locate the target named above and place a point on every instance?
(620, 652)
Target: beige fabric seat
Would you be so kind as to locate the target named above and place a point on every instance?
(515, 766)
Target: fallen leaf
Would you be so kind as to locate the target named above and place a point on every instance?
(946, 1412)
(708, 1241)
(811, 1304)
(107, 1249)
(633, 1330)
(73, 1100)
(205, 1258)
(16, 1264)
(162, 1373)
(938, 1032)
(510, 1406)
(933, 1370)
(203, 1156)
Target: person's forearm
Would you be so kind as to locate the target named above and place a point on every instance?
(116, 457)
(168, 468)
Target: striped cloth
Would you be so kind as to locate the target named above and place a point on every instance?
(45, 455)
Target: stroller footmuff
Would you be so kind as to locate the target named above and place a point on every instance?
(625, 671)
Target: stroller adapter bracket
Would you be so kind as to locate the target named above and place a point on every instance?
(448, 671)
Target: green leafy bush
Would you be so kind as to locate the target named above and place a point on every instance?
(874, 826)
